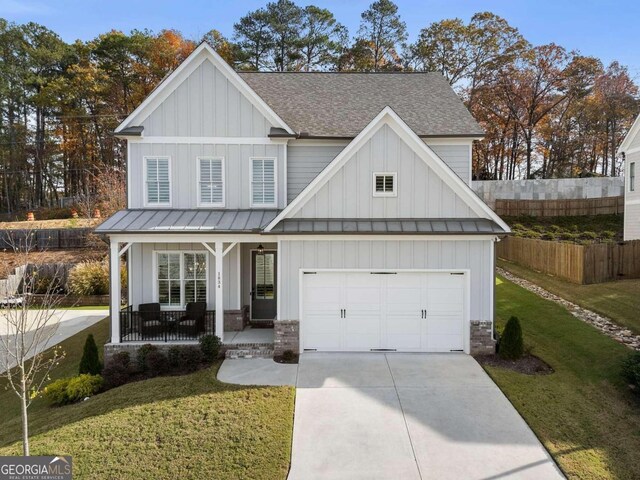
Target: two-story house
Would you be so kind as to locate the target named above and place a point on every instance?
(332, 208)
(630, 148)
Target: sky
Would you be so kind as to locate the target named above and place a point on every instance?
(607, 29)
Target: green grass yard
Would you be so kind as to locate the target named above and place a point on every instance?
(619, 300)
(164, 428)
(583, 413)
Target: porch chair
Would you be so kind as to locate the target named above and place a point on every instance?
(151, 324)
(192, 323)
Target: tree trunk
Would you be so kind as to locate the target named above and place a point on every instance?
(25, 420)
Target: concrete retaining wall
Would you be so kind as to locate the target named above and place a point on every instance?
(548, 189)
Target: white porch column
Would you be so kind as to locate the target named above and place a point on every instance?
(114, 270)
(220, 290)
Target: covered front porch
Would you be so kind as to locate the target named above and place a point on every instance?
(182, 286)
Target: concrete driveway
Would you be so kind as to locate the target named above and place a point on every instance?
(408, 416)
(71, 322)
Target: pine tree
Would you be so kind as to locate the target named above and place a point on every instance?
(511, 345)
(90, 363)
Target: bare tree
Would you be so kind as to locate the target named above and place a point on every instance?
(27, 332)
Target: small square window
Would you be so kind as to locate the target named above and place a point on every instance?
(384, 184)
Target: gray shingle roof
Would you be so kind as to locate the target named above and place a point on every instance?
(192, 221)
(342, 104)
(404, 226)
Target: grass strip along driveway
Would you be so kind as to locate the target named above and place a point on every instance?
(583, 412)
(619, 300)
(189, 426)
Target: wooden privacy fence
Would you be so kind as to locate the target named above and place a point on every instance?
(45, 238)
(583, 264)
(558, 208)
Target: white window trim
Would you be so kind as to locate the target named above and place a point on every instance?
(224, 181)
(156, 293)
(275, 183)
(394, 193)
(144, 181)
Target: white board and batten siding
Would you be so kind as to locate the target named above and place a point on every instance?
(184, 171)
(142, 277)
(632, 198)
(421, 193)
(473, 255)
(206, 104)
(305, 162)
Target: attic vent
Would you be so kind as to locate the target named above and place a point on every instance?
(384, 184)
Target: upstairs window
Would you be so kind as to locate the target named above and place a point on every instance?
(263, 182)
(384, 184)
(157, 181)
(211, 181)
(632, 176)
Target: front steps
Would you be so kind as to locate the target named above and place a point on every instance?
(255, 350)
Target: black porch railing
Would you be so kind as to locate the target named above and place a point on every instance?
(164, 326)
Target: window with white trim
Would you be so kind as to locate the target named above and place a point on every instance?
(181, 278)
(211, 181)
(384, 184)
(263, 182)
(632, 176)
(157, 181)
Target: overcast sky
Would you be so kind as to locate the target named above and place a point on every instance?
(605, 29)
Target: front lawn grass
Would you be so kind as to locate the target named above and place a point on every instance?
(164, 428)
(619, 300)
(583, 413)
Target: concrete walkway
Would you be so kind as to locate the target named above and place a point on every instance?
(71, 322)
(409, 416)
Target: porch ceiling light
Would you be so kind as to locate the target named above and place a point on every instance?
(260, 249)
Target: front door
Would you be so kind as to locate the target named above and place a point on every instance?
(263, 285)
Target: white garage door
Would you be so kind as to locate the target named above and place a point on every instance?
(402, 311)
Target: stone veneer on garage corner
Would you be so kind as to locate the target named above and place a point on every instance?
(482, 341)
(286, 336)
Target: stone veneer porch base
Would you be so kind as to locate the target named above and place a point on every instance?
(481, 340)
(286, 336)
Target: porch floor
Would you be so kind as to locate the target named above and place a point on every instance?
(249, 335)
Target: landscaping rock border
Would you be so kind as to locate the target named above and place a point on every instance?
(603, 324)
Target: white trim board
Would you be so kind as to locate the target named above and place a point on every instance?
(202, 53)
(388, 117)
(629, 137)
(211, 140)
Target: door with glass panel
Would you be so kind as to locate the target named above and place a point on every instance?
(263, 285)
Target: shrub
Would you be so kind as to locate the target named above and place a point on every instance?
(210, 346)
(511, 345)
(89, 278)
(56, 392)
(156, 363)
(90, 363)
(47, 284)
(83, 386)
(141, 356)
(185, 358)
(631, 371)
(117, 370)
(590, 235)
(288, 356)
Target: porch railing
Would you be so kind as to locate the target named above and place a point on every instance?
(163, 326)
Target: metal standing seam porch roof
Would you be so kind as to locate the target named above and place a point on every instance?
(188, 221)
(255, 221)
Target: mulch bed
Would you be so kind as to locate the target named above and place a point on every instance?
(528, 364)
(282, 359)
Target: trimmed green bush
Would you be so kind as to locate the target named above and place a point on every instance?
(56, 392)
(117, 370)
(511, 344)
(210, 346)
(156, 363)
(141, 355)
(90, 362)
(631, 371)
(83, 386)
(74, 389)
